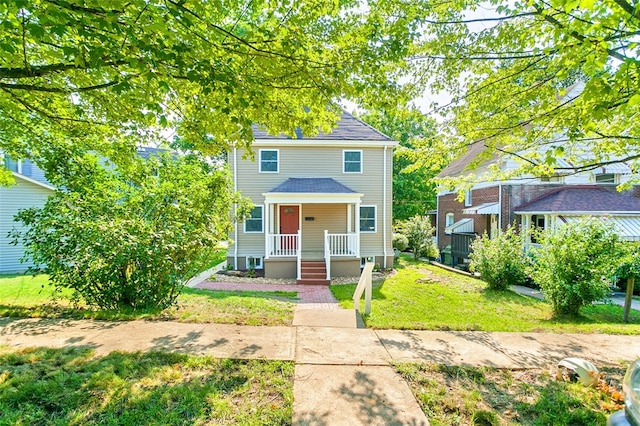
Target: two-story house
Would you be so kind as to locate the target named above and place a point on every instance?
(530, 202)
(322, 203)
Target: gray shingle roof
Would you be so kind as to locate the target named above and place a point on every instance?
(349, 128)
(313, 185)
(583, 198)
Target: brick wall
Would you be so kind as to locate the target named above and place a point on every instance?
(449, 204)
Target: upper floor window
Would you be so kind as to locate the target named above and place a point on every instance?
(552, 179)
(352, 161)
(467, 198)
(607, 178)
(254, 223)
(269, 161)
(367, 218)
(11, 164)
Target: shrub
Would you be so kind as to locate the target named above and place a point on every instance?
(500, 261)
(574, 265)
(419, 233)
(129, 238)
(400, 242)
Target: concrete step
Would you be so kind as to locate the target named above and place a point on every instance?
(313, 281)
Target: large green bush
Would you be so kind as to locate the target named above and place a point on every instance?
(500, 261)
(574, 265)
(129, 238)
(419, 233)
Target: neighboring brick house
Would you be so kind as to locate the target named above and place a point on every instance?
(528, 201)
(322, 203)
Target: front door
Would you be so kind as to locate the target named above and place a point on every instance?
(289, 224)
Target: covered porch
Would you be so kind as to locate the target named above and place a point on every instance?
(312, 230)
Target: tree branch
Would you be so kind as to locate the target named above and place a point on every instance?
(30, 71)
(575, 34)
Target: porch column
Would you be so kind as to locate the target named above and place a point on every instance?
(267, 228)
(349, 218)
(357, 226)
(526, 228)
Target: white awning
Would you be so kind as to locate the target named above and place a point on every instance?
(486, 208)
(463, 225)
(627, 227)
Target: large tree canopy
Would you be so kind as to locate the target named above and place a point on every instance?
(539, 78)
(414, 191)
(79, 75)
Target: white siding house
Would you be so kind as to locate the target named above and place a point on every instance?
(27, 192)
(322, 203)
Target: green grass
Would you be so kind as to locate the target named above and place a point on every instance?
(219, 257)
(424, 297)
(487, 396)
(26, 296)
(72, 387)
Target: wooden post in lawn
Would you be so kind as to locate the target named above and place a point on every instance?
(628, 297)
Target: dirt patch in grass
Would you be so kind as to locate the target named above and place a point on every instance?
(487, 396)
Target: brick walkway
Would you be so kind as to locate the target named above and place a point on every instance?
(309, 296)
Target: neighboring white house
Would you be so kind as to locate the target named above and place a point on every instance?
(30, 190)
(322, 203)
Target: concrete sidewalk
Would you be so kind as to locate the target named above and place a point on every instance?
(343, 373)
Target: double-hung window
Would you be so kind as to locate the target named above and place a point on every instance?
(269, 161)
(367, 218)
(352, 161)
(253, 224)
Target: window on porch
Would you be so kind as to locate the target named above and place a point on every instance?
(367, 218)
(253, 224)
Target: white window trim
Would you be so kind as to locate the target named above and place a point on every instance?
(468, 198)
(446, 219)
(261, 222)
(364, 260)
(344, 155)
(375, 220)
(616, 178)
(257, 260)
(277, 161)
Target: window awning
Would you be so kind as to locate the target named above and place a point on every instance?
(627, 227)
(486, 208)
(463, 225)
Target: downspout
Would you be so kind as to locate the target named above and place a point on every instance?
(235, 189)
(500, 208)
(384, 209)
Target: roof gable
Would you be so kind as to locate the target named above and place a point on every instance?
(348, 128)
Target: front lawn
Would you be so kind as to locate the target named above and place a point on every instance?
(72, 387)
(487, 396)
(421, 296)
(26, 296)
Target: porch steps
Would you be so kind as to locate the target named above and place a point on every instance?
(313, 273)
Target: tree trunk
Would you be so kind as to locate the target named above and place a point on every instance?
(628, 298)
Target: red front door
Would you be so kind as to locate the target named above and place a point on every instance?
(289, 224)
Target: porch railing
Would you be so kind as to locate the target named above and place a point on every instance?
(283, 245)
(342, 244)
